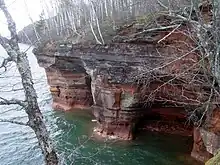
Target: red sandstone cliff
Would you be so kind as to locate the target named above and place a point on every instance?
(123, 79)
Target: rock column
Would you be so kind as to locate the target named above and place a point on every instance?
(115, 107)
(69, 90)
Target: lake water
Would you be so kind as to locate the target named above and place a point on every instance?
(72, 136)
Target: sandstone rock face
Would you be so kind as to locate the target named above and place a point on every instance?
(211, 132)
(114, 70)
(69, 82)
(80, 78)
(122, 80)
(207, 137)
(116, 109)
(199, 151)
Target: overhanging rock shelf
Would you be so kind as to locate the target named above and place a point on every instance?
(121, 81)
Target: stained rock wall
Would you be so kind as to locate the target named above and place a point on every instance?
(120, 80)
(207, 137)
(68, 80)
(107, 76)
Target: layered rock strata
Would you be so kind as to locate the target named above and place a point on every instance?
(120, 81)
(69, 82)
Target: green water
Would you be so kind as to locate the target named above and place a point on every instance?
(72, 134)
(149, 148)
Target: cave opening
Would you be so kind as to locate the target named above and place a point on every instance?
(166, 119)
(168, 125)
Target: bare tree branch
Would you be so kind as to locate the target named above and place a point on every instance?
(162, 5)
(11, 25)
(5, 62)
(6, 45)
(13, 122)
(4, 101)
(169, 33)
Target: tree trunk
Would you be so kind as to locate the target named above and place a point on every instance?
(34, 113)
(31, 107)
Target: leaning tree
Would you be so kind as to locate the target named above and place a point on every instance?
(30, 104)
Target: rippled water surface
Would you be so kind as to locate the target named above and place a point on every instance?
(71, 132)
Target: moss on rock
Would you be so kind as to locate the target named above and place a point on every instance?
(215, 160)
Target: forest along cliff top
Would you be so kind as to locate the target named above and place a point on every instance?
(147, 29)
(153, 46)
(161, 50)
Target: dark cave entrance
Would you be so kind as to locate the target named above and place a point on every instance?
(164, 118)
(169, 127)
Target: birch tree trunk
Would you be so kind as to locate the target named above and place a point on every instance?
(34, 114)
(216, 31)
(31, 105)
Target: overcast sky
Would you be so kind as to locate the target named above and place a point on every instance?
(19, 10)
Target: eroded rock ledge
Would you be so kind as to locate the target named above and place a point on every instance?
(123, 81)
